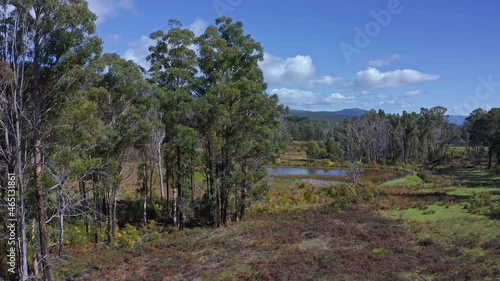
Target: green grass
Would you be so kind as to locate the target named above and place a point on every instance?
(434, 213)
(474, 177)
(408, 181)
(294, 155)
(471, 191)
(468, 232)
(198, 178)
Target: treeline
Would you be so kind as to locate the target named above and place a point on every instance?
(72, 116)
(304, 129)
(482, 133)
(388, 138)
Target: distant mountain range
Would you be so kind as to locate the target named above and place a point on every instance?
(336, 116)
(328, 116)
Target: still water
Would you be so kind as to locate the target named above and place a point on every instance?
(305, 172)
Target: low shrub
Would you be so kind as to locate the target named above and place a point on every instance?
(495, 211)
(426, 176)
(429, 212)
(467, 240)
(497, 169)
(379, 251)
(76, 235)
(343, 194)
(127, 236)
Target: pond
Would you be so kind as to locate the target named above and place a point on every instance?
(289, 171)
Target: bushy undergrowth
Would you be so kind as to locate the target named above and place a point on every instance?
(128, 236)
(485, 204)
(296, 234)
(302, 194)
(345, 194)
(313, 244)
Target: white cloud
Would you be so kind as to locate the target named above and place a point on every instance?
(383, 62)
(128, 5)
(198, 27)
(413, 93)
(396, 105)
(138, 51)
(114, 38)
(384, 96)
(372, 78)
(106, 9)
(300, 99)
(296, 71)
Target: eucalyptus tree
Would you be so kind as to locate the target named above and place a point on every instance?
(49, 42)
(410, 139)
(475, 128)
(235, 112)
(120, 94)
(149, 146)
(73, 136)
(395, 148)
(434, 133)
(441, 133)
(173, 70)
(492, 133)
(14, 82)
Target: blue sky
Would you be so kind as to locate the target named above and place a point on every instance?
(328, 55)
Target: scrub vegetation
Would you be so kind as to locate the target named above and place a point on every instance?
(126, 173)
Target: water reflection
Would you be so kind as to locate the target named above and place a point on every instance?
(304, 172)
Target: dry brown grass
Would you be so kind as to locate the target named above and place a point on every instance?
(313, 244)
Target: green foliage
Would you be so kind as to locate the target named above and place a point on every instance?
(497, 169)
(482, 199)
(344, 194)
(128, 236)
(379, 251)
(405, 182)
(440, 213)
(426, 176)
(486, 204)
(482, 131)
(304, 129)
(333, 149)
(315, 149)
(76, 234)
(495, 211)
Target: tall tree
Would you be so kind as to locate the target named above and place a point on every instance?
(174, 69)
(233, 108)
(120, 94)
(493, 135)
(55, 40)
(475, 128)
